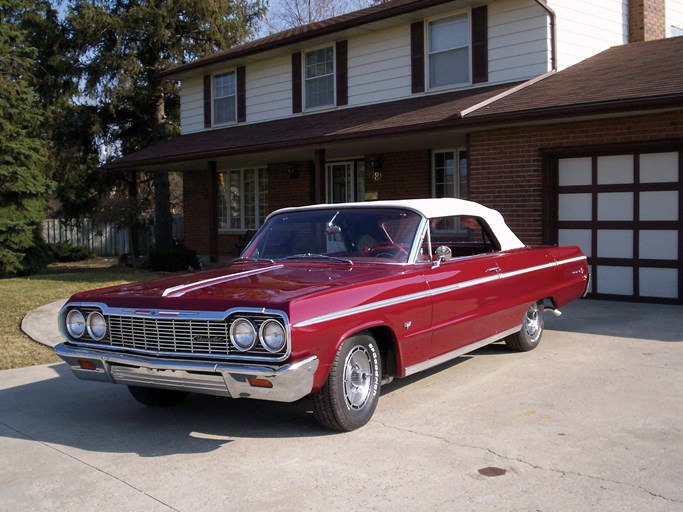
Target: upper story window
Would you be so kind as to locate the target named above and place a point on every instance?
(448, 51)
(319, 77)
(676, 31)
(224, 98)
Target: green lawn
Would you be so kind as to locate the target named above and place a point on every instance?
(21, 294)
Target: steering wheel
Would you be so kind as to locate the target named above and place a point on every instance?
(387, 250)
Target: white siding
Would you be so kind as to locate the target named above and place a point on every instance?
(192, 105)
(269, 89)
(519, 46)
(674, 15)
(379, 66)
(586, 27)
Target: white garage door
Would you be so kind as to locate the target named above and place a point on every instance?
(625, 211)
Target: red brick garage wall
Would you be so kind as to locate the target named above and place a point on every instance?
(506, 164)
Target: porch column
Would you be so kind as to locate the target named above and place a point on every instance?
(213, 213)
(319, 177)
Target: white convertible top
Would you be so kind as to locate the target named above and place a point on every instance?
(433, 208)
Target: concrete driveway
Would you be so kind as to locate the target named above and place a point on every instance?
(591, 420)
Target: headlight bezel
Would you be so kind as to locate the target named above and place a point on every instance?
(236, 324)
(91, 330)
(68, 324)
(263, 335)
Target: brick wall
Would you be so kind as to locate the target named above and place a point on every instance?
(646, 20)
(506, 165)
(405, 175)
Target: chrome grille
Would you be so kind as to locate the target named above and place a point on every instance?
(169, 335)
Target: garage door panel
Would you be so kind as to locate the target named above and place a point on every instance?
(659, 168)
(661, 205)
(615, 243)
(615, 206)
(581, 237)
(659, 282)
(614, 280)
(615, 169)
(658, 245)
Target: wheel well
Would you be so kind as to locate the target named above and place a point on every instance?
(386, 340)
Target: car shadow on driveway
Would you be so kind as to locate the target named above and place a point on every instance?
(62, 410)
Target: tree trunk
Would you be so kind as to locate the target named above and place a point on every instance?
(163, 224)
(133, 224)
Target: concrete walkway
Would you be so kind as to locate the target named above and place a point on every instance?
(41, 324)
(589, 421)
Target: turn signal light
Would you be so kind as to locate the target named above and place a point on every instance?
(87, 365)
(260, 383)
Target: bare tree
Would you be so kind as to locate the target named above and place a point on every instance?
(285, 14)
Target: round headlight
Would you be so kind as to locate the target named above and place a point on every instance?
(97, 325)
(242, 334)
(75, 323)
(272, 335)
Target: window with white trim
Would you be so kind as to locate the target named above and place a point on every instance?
(242, 198)
(449, 173)
(676, 31)
(319, 78)
(224, 98)
(448, 50)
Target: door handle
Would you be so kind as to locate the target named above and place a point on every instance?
(493, 269)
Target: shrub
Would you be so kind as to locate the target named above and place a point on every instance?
(65, 252)
(172, 260)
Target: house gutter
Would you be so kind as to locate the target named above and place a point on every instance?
(553, 32)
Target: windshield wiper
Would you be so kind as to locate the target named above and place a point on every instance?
(253, 260)
(310, 255)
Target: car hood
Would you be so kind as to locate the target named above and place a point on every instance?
(241, 285)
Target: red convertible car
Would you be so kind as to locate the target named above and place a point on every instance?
(331, 301)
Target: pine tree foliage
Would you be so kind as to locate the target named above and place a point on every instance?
(23, 186)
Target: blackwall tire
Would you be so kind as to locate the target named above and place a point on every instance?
(529, 336)
(153, 397)
(349, 397)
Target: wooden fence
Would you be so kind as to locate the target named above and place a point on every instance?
(102, 239)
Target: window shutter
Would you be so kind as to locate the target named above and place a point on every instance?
(296, 82)
(417, 57)
(207, 101)
(480, 45)
(342, 76)
(241, 94)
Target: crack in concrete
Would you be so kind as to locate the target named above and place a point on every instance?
(62, 452)
(531, 465)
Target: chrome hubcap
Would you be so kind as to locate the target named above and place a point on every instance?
(357, 377)
(533, 323)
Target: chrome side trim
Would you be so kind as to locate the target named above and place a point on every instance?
(430, 363)
(430, 293)
(290, 382)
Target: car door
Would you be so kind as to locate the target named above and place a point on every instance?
(464, 282)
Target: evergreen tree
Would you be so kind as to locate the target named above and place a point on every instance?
(125, 44)
(23, 186)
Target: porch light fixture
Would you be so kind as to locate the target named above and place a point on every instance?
(292, 170)
(376, 168)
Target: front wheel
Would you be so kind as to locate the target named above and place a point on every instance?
(530, 334)
(349, 397)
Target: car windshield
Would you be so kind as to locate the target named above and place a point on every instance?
(382, 235)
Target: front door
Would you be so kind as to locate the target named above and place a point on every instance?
(345, 182)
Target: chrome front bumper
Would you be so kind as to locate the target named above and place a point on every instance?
(283, 383)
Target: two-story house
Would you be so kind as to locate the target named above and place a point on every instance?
(538, 108)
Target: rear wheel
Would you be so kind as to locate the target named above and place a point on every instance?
(349, 397)
(154, 397)
(530, 334)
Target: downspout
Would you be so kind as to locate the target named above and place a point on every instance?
(553, 32)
